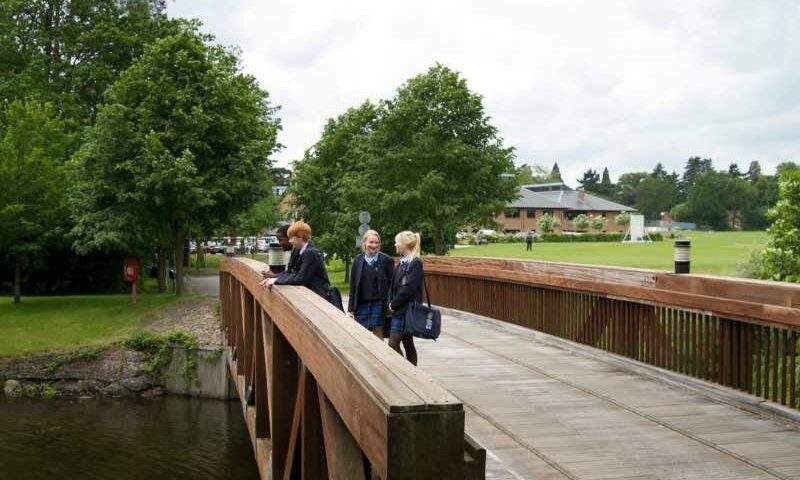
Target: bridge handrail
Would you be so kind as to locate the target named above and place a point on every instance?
(401, 419)
(739, 333)
(757, 301)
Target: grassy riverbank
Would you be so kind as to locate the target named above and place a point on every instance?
(720, 253)
(49, 324)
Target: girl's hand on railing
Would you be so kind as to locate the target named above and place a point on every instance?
(267, 282)
(267, 273)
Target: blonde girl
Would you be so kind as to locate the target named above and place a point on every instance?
(405, 288)
(370, 276)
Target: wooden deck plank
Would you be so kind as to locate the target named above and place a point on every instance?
(542, 411)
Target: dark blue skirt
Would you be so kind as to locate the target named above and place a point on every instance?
(370, 314)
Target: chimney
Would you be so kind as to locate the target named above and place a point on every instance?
(581, 196)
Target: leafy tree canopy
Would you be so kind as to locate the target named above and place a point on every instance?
(782, 254)
(33, 150)
(427, 160)
(182, 139)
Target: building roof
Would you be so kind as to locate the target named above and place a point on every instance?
(564, 199)
(544, 187)
(529, 199)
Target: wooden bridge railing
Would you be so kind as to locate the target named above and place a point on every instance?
(327, 394)
(735, 332)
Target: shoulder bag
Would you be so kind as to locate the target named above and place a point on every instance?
(423, 321)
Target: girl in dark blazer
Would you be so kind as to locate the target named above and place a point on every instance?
(406, 287)
(370, 277)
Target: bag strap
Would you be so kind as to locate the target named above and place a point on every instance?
(425, 286)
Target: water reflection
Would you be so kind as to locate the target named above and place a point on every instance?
(99, 438)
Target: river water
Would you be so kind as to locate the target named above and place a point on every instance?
(99, 438)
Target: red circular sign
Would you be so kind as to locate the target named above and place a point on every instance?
(130, 270)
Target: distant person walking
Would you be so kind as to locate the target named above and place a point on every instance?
(370, 277)
(406, 287)
(529, 241)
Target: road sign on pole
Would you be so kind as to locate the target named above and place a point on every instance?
(364, 217)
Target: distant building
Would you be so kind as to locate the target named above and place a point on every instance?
(563, 203)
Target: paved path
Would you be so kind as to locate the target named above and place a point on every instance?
(545, 410)
(204, 285)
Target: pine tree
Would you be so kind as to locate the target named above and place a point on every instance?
(590, 181)
(555, 174)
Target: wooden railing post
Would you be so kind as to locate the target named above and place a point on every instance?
(284, 382)
(260, 383)
(312, 464)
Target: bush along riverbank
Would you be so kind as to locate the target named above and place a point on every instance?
(134, 367)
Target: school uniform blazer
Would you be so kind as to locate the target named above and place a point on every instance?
(385, 271)
(308, 270)
(406, 285)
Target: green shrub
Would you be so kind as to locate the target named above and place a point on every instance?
(581, 222)
(592, 237)
(158, 347)
(598, 223)
(548, 223)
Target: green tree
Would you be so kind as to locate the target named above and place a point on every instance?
(740, 197)
(627, 185)
(581, 222)
(327, 187)
(765, 191)
(598, 223)
(547, 223)
(528, 174)
(590, 180)
(605, 189)
(183, 138)
(654, 195)
(781, 257)
(555, 174)
(660, 172)
(695, 167)
(33, 150)
(734, 171)
(71, 52)
(785, 166)
(435, 161)
(707, 204)
(623, 219)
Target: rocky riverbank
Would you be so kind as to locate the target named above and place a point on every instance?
(135, 367)
(114, 371)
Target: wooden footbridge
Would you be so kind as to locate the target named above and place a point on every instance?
(542, 371)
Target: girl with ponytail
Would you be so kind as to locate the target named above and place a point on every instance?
(406, 287)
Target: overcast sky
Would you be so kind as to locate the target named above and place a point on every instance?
(592, 84)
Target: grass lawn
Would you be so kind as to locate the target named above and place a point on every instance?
(51, 324)
(719, 253)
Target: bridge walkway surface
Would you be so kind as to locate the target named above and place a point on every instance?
(548, 408)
